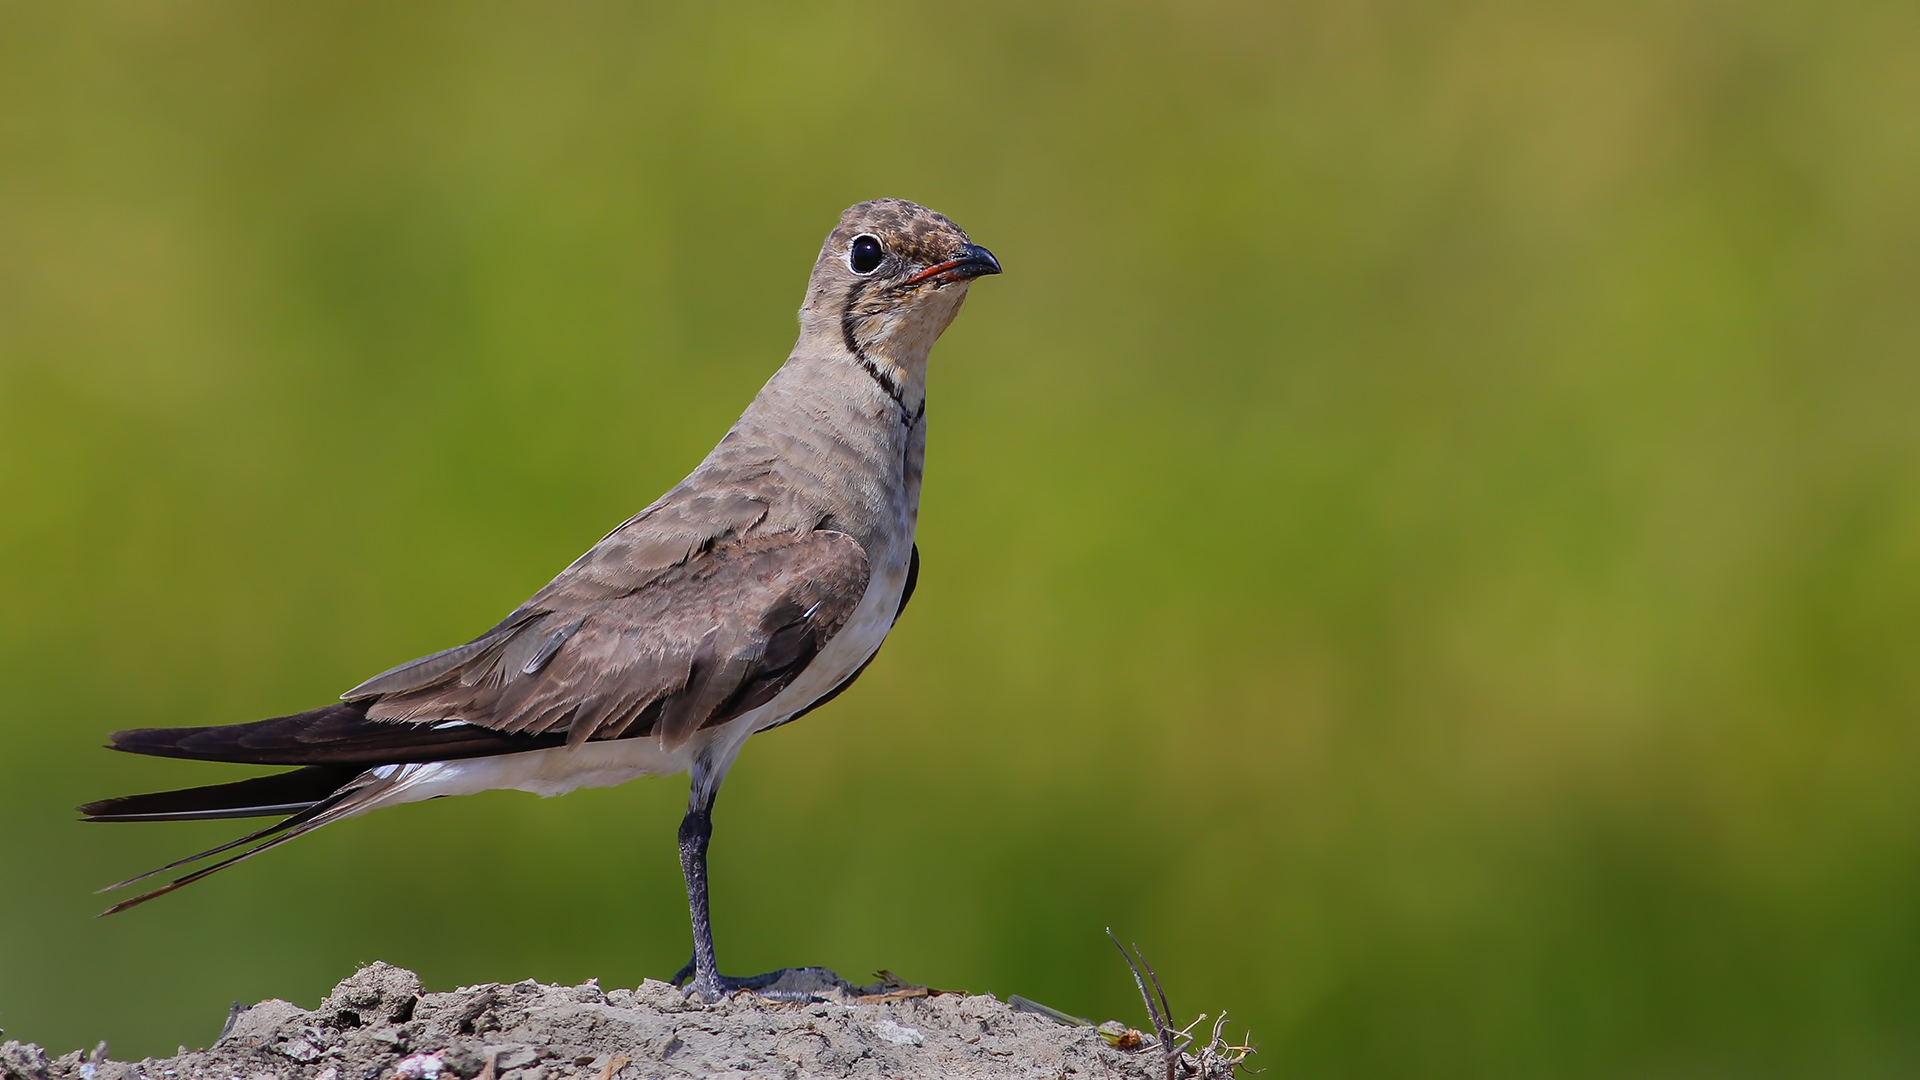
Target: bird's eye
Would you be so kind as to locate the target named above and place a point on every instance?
(864, 254)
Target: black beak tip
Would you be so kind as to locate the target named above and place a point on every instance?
(979, 261)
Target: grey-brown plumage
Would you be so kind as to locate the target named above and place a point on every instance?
(755, 590)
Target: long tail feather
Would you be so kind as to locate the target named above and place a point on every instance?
(204, 871)
(261, 796)
(359, 794)
(305, 815)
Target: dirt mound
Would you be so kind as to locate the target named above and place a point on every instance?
(378, 1025)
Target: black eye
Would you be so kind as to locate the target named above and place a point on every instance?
(865, 253)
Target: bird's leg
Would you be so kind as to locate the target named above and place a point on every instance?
(696, 829)
(702, 973)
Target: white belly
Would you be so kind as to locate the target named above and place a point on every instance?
(560, 769)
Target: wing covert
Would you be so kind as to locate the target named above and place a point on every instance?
(699, 643)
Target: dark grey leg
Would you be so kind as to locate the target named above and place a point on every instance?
(702, 974)
(696, 830)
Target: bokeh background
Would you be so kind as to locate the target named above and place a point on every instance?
(1424, 538)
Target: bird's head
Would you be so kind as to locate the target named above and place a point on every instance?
(891, 276)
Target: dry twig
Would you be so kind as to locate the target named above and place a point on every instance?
(1214, 1061)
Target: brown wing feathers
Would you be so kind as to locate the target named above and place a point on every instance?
(580, 661)
(331, 735)
(666, 660)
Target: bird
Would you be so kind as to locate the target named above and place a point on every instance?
(753, 592)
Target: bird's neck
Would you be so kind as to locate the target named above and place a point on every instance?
(849, 447)
(890, 344)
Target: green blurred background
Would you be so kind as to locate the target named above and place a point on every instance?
(1424, 537)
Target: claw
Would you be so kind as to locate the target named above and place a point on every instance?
(725, 986)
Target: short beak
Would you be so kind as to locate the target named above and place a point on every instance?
(974, 261)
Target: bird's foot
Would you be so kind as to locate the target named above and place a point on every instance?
(786, 984)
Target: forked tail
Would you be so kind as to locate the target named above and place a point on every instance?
(311, 797)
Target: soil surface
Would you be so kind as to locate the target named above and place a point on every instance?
(379, 1025)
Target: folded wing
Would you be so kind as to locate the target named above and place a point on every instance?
(705, 641)
(698, 644)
